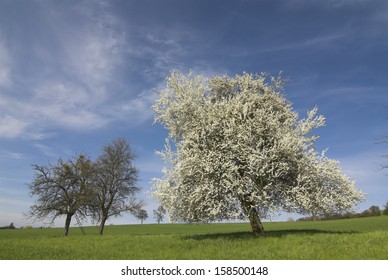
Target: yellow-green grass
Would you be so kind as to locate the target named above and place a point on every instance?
(361, 238)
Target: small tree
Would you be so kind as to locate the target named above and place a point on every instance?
(385, 211)
(141, 215)
(62, 189)
(159, 214)
(236, 149)
(374, 211)
(114, 185)
(384, 140)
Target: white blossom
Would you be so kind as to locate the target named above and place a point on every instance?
(237, 149)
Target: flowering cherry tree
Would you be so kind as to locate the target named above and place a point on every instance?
(236, 149)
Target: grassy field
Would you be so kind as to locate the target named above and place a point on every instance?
(351, 239)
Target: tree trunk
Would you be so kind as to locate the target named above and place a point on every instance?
(256, 225)
(102, 225)
(253, 216)
(67, 224)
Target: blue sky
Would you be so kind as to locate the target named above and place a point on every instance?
(74, 75)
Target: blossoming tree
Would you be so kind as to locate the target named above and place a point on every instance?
(236, 149)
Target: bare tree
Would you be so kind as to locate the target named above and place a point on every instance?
(159, 214)
(114, 188)
(385, 211)
(384, 140)
(62, 189)
(141, 215)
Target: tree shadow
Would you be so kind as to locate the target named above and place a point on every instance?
(271, 233)
(281, 233)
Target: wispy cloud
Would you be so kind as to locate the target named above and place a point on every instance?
(352, 95)
(137, 109)
(364, 168)
(11, 127)
(319, 42)
(79, 89)
(11, 155)
(13, 198)
(46, 150)
(4, 67)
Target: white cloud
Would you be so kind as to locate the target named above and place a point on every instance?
(353, 94)
(78, 89)
(161, 50)
(322, 41)
(137, 109)
(11, 155)
(67, 105)
(4, 66)
(364, 168)
(4, 74)
(94, 58)
(11, 191)
(14, 202)
(11, 127)
(46, 150)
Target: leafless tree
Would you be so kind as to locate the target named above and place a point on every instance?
(384, 140)
(142, 215)
(115, 177)
(62, 189)
(159, 214)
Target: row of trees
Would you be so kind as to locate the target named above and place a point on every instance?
(371, 212)
(97, 189)
(11, 226)
(159, 214)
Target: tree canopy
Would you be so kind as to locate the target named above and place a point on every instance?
(237, 149)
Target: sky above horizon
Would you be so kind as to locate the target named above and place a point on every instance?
(74, 75)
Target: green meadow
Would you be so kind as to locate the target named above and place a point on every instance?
(349, 239)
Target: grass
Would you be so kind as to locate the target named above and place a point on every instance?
(361, 238)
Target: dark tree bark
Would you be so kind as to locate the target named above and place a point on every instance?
(256, 225)
(254, 218)
(102, 226)
(67, 223)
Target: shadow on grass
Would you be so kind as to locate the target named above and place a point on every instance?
(273, 233)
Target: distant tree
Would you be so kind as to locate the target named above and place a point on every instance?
(374, 211)
(141, 215)
(237, 149)
(159, 214)
(384, 140)
(62, 189)
(385, 211)
(114, 183)
(11, 226)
